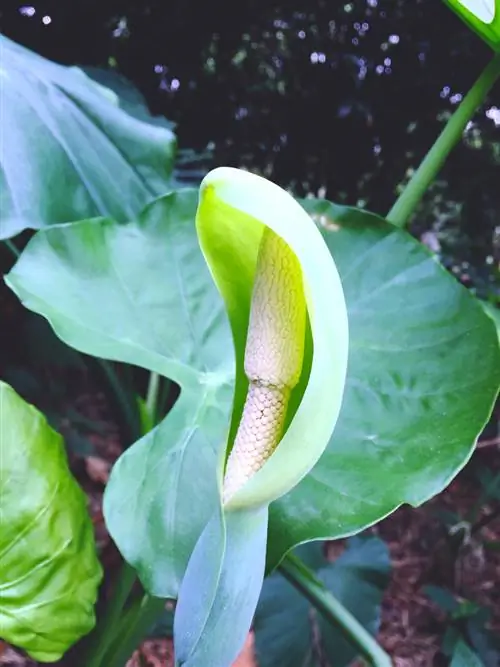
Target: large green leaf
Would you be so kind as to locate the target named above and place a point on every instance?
(288, 633)
(71, 151)
(423, 373)
(150, 301)
(49, 569)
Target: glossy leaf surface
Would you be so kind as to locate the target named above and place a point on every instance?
(72, 151)
(49, 570)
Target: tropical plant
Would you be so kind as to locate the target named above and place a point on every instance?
(321, 354)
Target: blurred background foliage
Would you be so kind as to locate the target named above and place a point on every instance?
(340, 99)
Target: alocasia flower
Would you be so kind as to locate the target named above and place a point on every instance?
(288, 316)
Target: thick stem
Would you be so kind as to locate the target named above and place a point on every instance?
(452, 133)
(294, 570)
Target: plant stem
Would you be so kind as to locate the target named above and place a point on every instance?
(407, 202)
(152, 396)
(299, 575)
(107, 625)
(126, 406)
(10, 245)
(133, 629)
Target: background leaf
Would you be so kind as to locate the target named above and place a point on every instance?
(68, 135)
(288, 632)
(423, 373)
(463, 656)
(50, 571)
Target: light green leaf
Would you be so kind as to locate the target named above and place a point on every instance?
(71, 152)
(493, 312)
(482, 16)
(423, 372)
(288, 632)
(149, 300)
(49, 569)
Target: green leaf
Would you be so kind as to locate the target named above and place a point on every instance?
(463, 656)
(156, 532)
(414, 401)
(443, 598)
(493, 312)
(50, 572)
(484, 641)
(288, 632)
(220, 590)
(68, 135)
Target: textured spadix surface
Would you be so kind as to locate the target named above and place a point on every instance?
(274, 356)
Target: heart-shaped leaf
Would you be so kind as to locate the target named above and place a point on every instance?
(68, 135)
(157, 308)
(423, 373)
(50, 571)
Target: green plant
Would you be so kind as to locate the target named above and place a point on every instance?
(466, 641)
(50, 571)
(142, 293)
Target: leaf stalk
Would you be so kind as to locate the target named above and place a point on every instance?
(407, 202)
(306, 582)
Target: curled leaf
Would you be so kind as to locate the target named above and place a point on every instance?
(49, 570)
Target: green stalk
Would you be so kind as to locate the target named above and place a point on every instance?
(299, 575)
(125, 402)
(133, 629)
(452, 133)
(12, 248)
(152, 397)
(106, 628)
